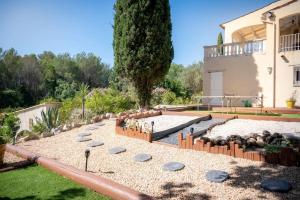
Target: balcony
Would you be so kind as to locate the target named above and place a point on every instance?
(235, 49)
(289, 42)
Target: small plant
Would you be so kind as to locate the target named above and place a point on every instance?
(247, 103)
(49, 120)
(272, 148)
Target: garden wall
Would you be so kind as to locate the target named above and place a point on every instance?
(287, 156)
(135, 133)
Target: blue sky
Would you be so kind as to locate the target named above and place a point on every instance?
(73, 26)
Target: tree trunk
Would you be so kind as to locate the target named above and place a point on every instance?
(83, 102)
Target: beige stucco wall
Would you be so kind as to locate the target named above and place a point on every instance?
(242, 75)
(248, 74)
(31, 113)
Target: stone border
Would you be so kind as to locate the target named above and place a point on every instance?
(96, 183)
(286, 157)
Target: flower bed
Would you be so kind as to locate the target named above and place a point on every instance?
(286, 156)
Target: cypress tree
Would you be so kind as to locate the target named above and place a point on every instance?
(143, 49)
(220, 43)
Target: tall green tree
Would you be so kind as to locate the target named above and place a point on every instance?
(220, 43)
(143, 49)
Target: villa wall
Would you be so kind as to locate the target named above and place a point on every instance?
(243, 75)
(248, 74)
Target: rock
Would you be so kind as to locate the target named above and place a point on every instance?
(107, 115)
(216, 176)
(95, 144)
(83, 139)
(259, 141)
(112, 115)
(46, 134)
(84, 134)
(266, 133)
(66, 128)
(276, 185)
(205, 139)
(173, 166)
(31, 137)
(116, 150)
(75, 125)
(251, 142)
(142, 157)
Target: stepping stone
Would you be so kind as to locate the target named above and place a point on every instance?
(216, 176)
(142, 157)
(116, 150)
(276, 185)
(99, 124)
(95, 144)
(173, 166)
(91, 128)
(84, 134)
(83, 139)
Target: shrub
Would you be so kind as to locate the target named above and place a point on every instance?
(169, 97)
(5, 134)
(109, 101)
(65, 90)
(67, 107)
(49, 120)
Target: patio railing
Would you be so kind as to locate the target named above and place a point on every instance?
(233, 49)
(289, 42)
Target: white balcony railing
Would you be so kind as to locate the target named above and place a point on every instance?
(289, 42)
(233, 49)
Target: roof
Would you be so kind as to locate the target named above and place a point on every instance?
(222, 25)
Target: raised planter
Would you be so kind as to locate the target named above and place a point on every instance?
(286, 157)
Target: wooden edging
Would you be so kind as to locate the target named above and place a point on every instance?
(99, 184)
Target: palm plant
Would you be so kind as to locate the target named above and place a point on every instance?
(83, 91)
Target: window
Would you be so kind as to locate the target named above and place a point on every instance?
(296, 76)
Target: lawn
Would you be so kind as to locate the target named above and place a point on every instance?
(37, 183)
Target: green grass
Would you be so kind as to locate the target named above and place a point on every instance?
(291, 115)
(37, 183)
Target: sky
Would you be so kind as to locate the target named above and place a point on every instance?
(74, 26)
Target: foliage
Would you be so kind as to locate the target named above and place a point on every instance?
(220, 44)
(48, 121)
(68, 105)
(191, 78)
(9, 125)
(65, 90)
(26, 80)
(157, 95)
(247, 103)
(11, 98)
(272, 148)
(142, 43)
(293, 96)
(169, 97)
(5, 134)
(109, 101)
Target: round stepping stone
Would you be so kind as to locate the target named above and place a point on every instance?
(276, 185)
(99, 124)
(216, 176)
(142, 157)
(173, 166)
(116, 150)
(83, 139)
(91, 128)
(84, 134)
(95, 144)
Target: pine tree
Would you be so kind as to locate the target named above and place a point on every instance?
(143, 49)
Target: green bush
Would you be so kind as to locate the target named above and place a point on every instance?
(65, 90)
(5, 134)
(169, 97)
(109, 101)
(68, 106)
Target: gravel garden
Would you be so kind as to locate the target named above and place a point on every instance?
(165, 172)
